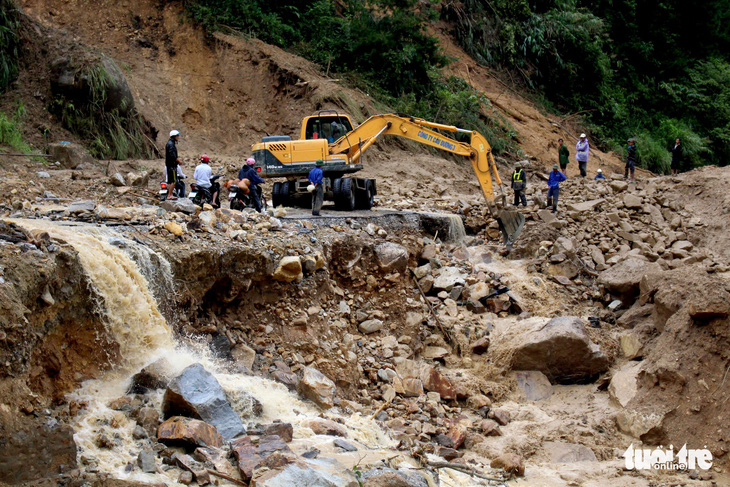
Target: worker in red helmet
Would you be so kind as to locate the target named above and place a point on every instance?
(248, 172)
(202, 175)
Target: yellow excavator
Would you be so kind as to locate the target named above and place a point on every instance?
(331, 137)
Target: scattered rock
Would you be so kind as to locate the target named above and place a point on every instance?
(118, 180)
(181, 205)
(146, 461)
(322, 426)
(560, 452)
(392, 257)
(317, 387)
(534, 385)
(623, 386)
(289, 269)
(78, 207)
(174, 228)
(370, 326)
(511, 463)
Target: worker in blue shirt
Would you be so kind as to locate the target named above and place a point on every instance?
(316, 180)
(556, 177)
(599, 175)
(248, 172)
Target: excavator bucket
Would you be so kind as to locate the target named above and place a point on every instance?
(510, 225)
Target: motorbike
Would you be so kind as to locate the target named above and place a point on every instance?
(200, 196)
(178, 191)
(238, 201)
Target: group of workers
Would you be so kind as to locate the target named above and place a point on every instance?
(247, 179)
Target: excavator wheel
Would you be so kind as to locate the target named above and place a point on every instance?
(285, 193)
(347, 194)
(276, 199)
(365, 198)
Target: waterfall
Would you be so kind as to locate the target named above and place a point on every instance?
(120, 271)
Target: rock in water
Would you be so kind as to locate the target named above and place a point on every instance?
(197, 394)
(389, 477)
(323, 472)
(188, 432)
(316, 387)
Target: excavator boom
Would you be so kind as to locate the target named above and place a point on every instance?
(478, 151)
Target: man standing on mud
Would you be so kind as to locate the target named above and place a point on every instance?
(556, 177)
(563, 155)
(519, 183)
(172, 160)
(581, 149)
(316, 179)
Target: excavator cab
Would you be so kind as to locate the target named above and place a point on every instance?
(327, 124)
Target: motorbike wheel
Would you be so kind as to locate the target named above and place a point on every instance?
(236, 204)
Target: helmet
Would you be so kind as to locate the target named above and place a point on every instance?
(582, 136)
(173, 133)
(555, 166)
(250, 161)
(319, 163)
(204, 158)
(600, 171)
(518, 165)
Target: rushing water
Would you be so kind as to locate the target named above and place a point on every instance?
(119, 271)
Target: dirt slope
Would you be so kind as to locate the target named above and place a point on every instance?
(225, 93)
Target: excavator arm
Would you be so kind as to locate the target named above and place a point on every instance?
(478, 151)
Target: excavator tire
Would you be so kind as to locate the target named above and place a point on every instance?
(285, 193)
(276, 199)
(365, 198)
(345, 197)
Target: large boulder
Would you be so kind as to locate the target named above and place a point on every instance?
(392, 257)
(317, 387)
(623, 279)
(70, 155)
(560, 349)
(71, 78)
(197, 394)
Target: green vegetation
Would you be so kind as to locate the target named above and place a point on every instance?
(380, 46)
(652, 70)
(9, 49)
(113, 134)
(10, 131)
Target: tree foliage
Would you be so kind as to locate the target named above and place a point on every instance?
(648, 69)
(380, 45)
(9, 45)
